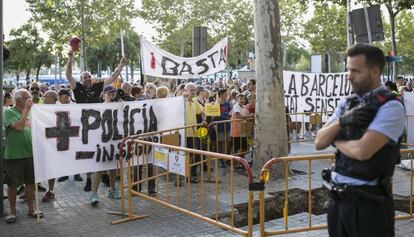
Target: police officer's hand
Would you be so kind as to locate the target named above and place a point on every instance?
(360, 116)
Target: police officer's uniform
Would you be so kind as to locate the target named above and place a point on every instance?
(361, 190)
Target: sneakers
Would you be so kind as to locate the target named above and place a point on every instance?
(61, 179)
(115, 194)
(93, 200)
(194, 180)
(78, 178)
(88, 185)
(48, 196)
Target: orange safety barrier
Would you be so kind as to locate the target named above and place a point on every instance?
(139, 159)
(264, 177)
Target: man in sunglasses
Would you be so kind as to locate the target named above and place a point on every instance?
(35, 92)
(87, 92)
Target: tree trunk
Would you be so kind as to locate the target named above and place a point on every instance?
(270, 120)
(393, 41)
(28, 77)
(132, 72)
(37, 72)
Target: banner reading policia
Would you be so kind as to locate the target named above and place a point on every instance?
(310, 92)
(78, 138)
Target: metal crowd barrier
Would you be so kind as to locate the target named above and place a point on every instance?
(264, 177)
(190, 199)
(307, 124)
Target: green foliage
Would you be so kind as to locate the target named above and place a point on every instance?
(108, 54)
(28, 50)
(62, 19)
(326, 32)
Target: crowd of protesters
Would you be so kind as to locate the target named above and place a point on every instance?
(236, 101)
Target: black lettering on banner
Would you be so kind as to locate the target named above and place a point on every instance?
(314, 86)
(106, 119)
(86, 114)
(170, 71)
(116, 135)
(292, 103)
(212, 59)
(186, 68)
(327, 88)
(144, 117)
(321, 80)
(108, 155)
(200, 63)
(308, 101)
(98, 153)
(304, 89)
(125, 123)
(222, 56)
(63, 131)
(153, 126)
(131, 121)
(292, 85)
(335, 86)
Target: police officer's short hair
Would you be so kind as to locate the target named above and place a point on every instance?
(374, 56)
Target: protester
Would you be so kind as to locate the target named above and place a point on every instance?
(192, 109)
(109, 93)
(238, 128)
(162, 92)
(137, 93)
(50, 97)
(150, 91)
(18, 154)
(8, 100)
(35, 91)
(87, 92)
(65, 98)
(125, 93)
(367, 139)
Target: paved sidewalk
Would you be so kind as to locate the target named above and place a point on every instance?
(70, 214)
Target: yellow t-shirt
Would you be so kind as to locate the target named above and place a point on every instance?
(191, 110)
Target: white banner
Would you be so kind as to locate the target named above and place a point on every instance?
(314, 92)
(160, 63)
(79, 138)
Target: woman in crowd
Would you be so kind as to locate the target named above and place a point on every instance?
(108, 93)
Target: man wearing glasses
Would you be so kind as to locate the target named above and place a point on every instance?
(87, 92)
(35, 92)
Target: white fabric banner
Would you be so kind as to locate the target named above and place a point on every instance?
(314, 92)
(79, 138)
(160, 63)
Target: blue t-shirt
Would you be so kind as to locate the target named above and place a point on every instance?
(390, 120)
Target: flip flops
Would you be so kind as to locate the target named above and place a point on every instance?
(34, 214)
(10, 219)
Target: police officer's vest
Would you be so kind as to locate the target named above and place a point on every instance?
(383, 161)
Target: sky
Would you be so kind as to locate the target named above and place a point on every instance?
(15, 15)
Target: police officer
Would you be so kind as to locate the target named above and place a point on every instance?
(366, 129)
